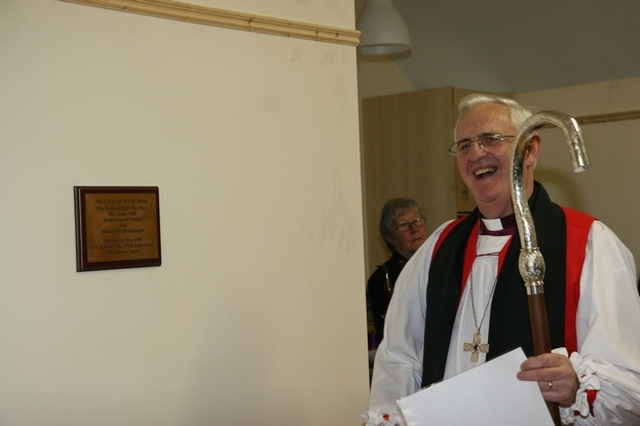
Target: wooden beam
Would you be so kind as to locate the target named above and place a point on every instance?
(198, 14)
(602, 118)
(605, 118)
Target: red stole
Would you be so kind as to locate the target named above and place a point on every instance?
(578, 228)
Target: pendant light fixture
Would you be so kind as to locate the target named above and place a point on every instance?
(383, 31)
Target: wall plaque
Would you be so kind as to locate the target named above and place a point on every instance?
(117, 227)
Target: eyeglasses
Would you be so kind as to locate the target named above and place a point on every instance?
(489, 140)
(418, 222)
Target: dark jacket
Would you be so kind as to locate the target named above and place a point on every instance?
(380, 288)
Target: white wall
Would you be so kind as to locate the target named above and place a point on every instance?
(607, 190)
(257, 314)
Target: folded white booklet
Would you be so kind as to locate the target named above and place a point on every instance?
(489, 394)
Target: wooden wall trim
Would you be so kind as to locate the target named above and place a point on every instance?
(604, 118)
(198, 14)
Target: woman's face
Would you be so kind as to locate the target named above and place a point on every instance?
(409, 241)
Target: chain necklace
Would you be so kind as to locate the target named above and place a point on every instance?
(476, 346)
(387, 279)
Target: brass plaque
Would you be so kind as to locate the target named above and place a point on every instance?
(117, 227)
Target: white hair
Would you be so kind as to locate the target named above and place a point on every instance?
(517, 113)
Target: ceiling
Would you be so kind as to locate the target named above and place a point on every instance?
(518, 46)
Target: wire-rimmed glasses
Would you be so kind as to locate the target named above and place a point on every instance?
(418, 222)
(487, 140)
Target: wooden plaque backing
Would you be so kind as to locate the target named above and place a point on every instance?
(117, 227)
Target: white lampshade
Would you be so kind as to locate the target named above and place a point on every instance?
(383, 31)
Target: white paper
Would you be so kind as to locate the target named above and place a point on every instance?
(489, 394)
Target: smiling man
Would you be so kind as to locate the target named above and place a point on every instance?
(460, 300)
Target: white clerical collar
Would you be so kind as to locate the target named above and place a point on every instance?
(498, 227)
(493, 224)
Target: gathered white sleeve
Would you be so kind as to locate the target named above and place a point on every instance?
(607, 324)
(397, 370)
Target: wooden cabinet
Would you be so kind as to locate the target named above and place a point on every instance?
(405, 138)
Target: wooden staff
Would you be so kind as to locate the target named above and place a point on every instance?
(531, 263)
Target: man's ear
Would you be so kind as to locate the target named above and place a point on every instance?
(533, 150)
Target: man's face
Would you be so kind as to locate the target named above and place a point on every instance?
(486, 171)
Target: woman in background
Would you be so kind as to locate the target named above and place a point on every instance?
(402, 225)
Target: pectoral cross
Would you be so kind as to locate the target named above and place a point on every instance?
(476, 347)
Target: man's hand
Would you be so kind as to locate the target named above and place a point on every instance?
(555, 376)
